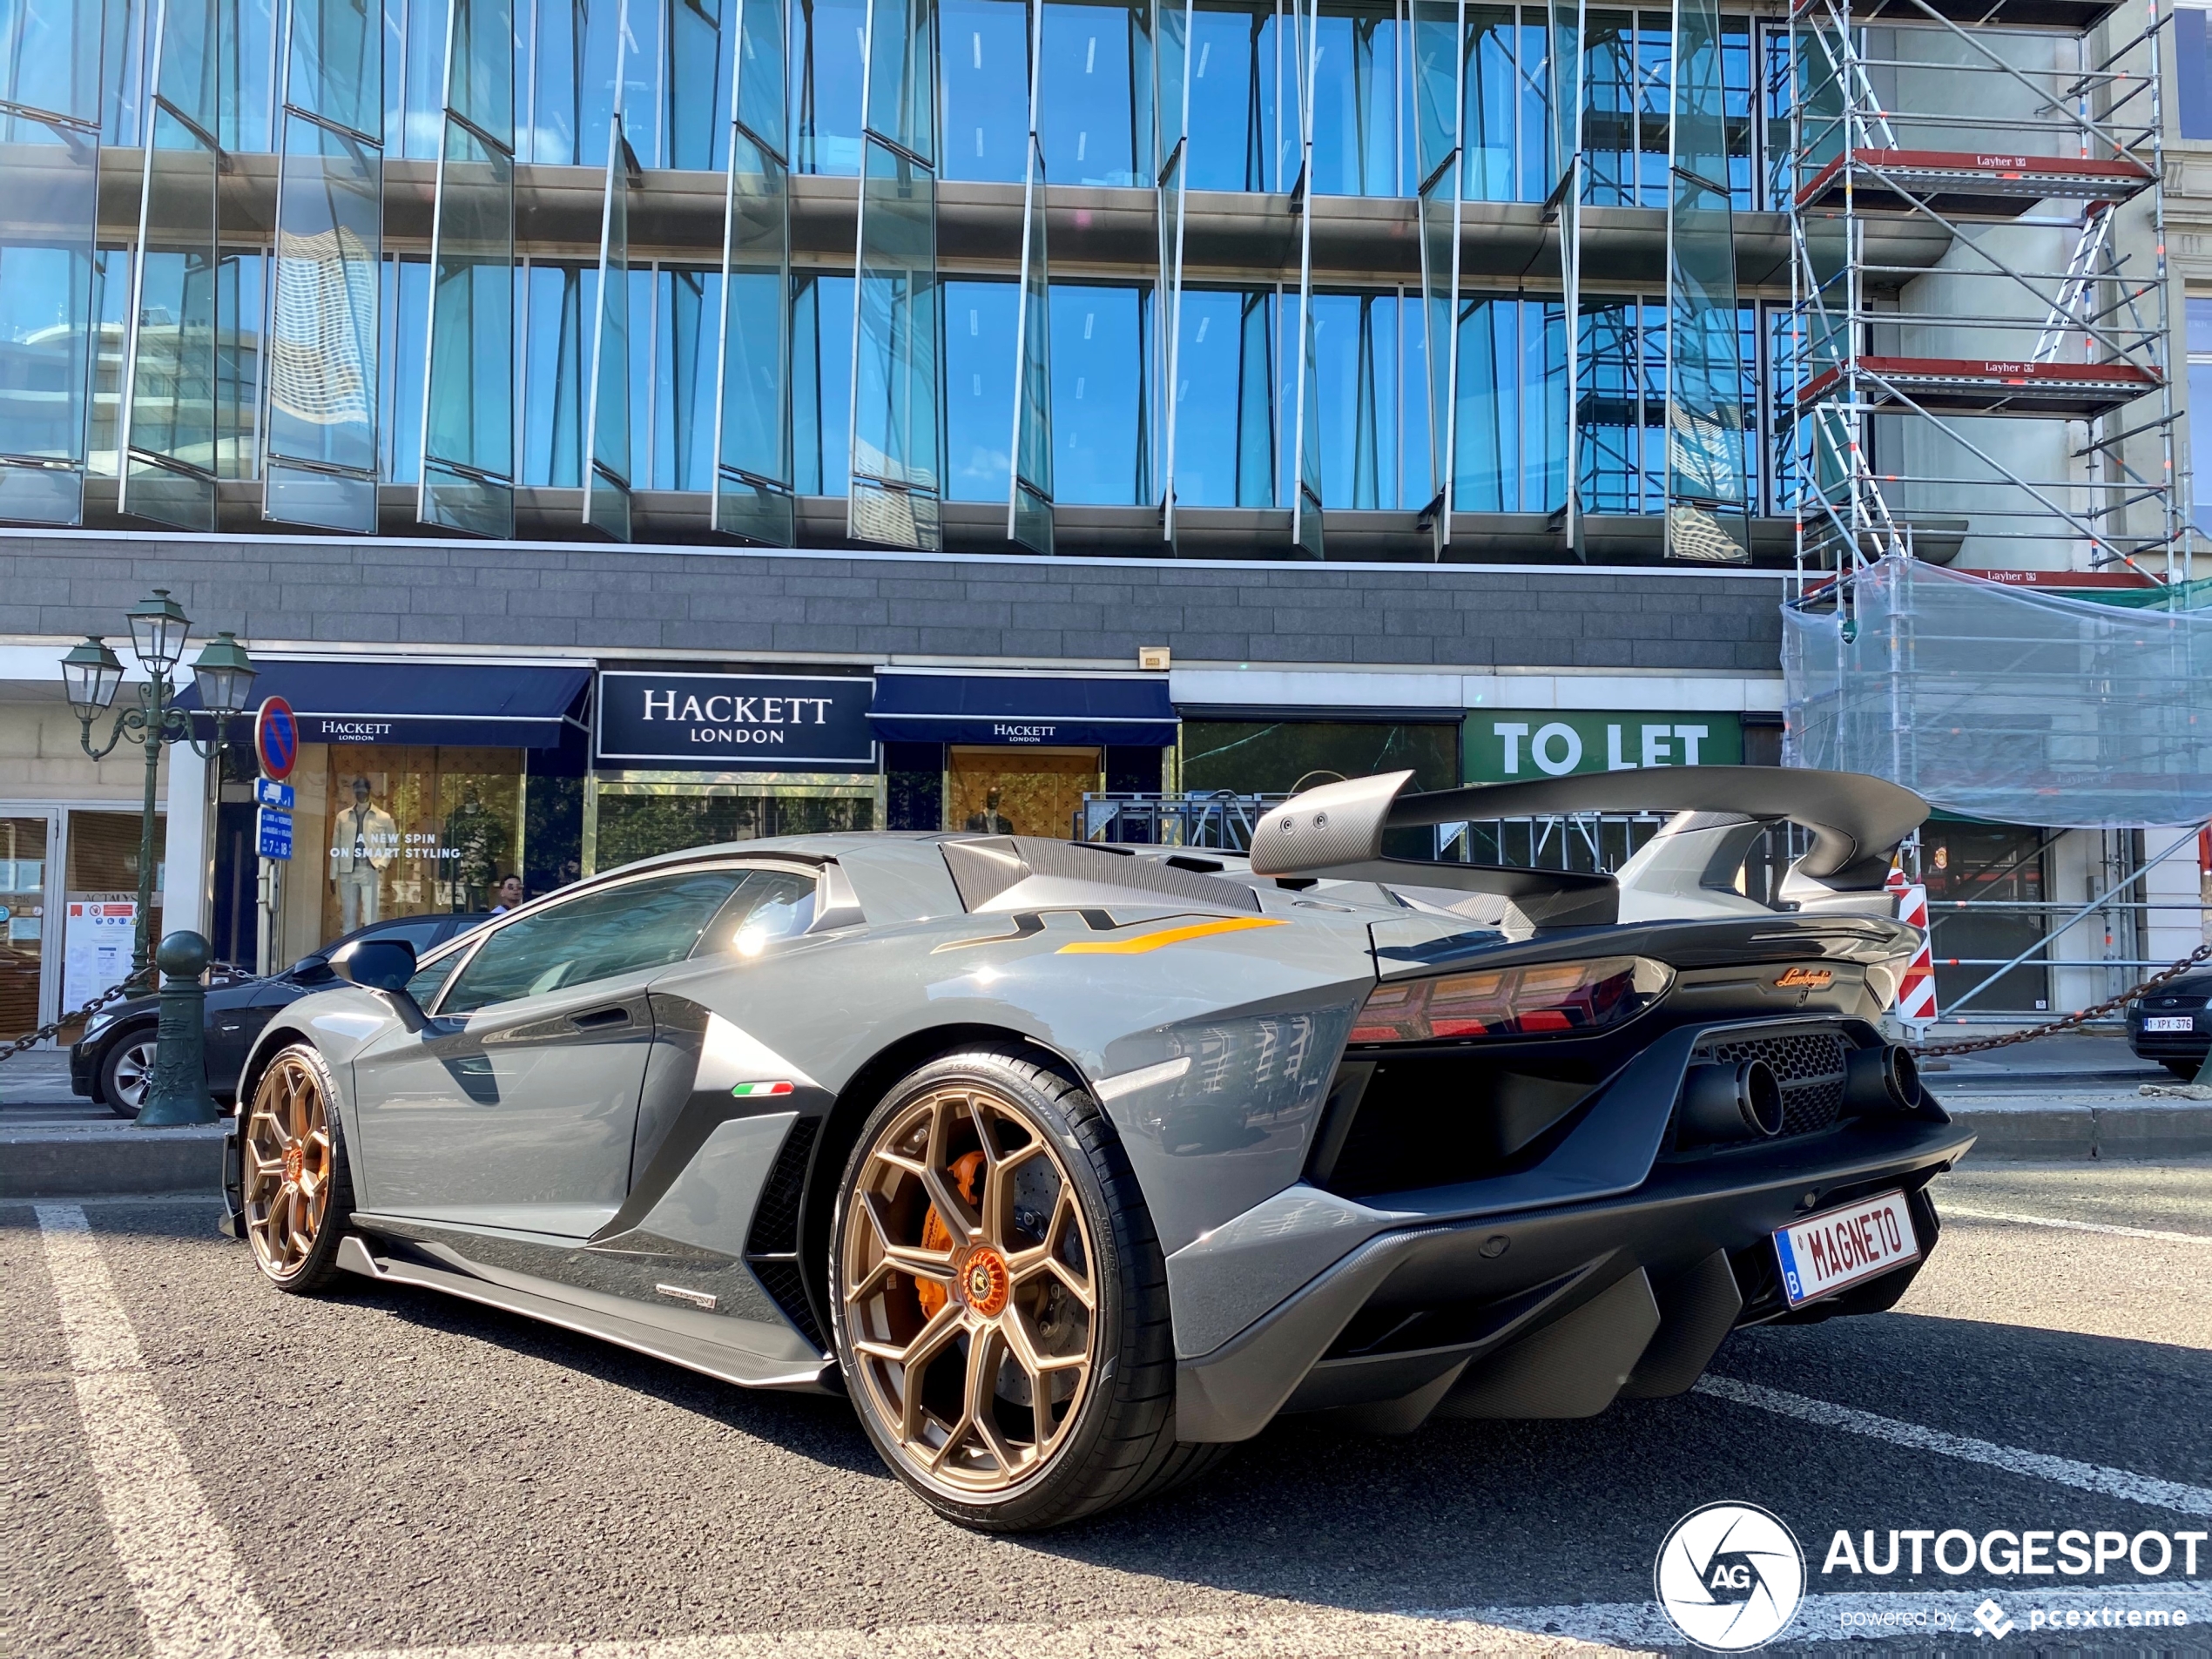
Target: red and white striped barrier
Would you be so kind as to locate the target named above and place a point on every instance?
(1916, 997)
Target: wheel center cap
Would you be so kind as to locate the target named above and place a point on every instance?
(983, 1281)
(295, 1162)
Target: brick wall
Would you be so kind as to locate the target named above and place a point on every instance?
(864, 605)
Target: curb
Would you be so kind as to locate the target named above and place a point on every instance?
(111, 1158)
(2183, 1130)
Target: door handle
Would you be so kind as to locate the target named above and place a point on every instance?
(600, 1018)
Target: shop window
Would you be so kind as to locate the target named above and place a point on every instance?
(23, 922)
(641, 820)
(1989, 867)
(1275, 756)
(99, 928)
(408, 831)
(1017, 791)
(913, 775)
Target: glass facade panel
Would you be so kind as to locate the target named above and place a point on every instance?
(1225, 449)
(1029, 511)
(49, 185)
(1233, 77)
(902, 75)
(1095, 96)
(987, 88)
(1356, 125)
(1511, 420)
(50, 57)
(821, 383)
(1358, 352)
(469, 411)
(607, 425)
(1101, 399)
(979, 322)
(754, 486)
(170, 403)
(826, 37)
(335, 67)
(897, 475)
(322, 358)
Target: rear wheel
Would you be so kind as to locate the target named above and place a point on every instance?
(126, 1069)
(1000, 1302)
(2185, 1069)
(297, 1195)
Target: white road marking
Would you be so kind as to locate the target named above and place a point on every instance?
(2065, 1471)
(175, 1554)
(1878, 1616)
(1950, 1209)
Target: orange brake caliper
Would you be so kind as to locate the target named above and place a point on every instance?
(936, 1236)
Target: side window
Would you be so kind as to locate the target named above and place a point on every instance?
(768, 904)
(424, 986)
(596, 935)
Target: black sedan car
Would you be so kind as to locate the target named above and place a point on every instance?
(113, 1061)
(2173, 1027)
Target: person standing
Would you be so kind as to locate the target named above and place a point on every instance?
(363, 841)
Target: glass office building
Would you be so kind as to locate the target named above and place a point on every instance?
(972, 275)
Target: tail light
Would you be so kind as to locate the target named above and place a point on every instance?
(1536, 999)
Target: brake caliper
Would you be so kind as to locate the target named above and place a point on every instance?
(936, 1236)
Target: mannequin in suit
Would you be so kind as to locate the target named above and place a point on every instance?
(990, 820)
(363, 842)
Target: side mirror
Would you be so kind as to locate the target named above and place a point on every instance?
(377, 964)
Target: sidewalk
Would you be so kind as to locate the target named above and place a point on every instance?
(54, 1144)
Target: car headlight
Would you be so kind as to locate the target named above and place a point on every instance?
(1539, 999)
(98, 1023)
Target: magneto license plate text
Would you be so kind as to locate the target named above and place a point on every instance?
(1838, 1247)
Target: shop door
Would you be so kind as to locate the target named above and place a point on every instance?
(1017, 791)
(1985, 895)
(24, 866)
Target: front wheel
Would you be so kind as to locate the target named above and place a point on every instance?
(296, 1194)
(1000, 1299)
(125, 1070)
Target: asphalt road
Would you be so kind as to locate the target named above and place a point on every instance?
(197, 1465)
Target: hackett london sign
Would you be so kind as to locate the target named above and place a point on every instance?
(734, 722)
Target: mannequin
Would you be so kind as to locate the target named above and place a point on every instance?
(363, 842)
(990, 820)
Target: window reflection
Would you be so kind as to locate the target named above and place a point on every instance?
(821, 367)
(979, 388)
(1101, 393)
(984, 58)
(1234, 78)
(825, 40)
(1095, 96)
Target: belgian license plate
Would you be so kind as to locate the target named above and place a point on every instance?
(1838, 1247)
(2168, 1022)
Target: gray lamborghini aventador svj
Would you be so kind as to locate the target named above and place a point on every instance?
(1073, 1164)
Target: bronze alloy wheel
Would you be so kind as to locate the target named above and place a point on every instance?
(290, 1167)
(969, 1296)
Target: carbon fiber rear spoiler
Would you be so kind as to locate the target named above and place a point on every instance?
(1856, 822)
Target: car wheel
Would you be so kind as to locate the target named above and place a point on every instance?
(127, 1070)
(296, 1194)
(1000, 1299)
(2185, 1069)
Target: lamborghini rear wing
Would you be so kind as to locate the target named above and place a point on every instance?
(1337, 831)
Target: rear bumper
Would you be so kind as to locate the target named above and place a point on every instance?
(1553, 1311)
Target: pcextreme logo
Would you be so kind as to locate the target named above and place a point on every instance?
(1730, 1576)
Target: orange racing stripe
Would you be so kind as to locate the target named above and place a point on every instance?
(1165, 936)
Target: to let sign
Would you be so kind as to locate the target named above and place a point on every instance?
(734, 722)
(1510, 747)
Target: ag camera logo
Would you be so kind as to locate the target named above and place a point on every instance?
(1730, 1576)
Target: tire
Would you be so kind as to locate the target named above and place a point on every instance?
(1054, 1217)
(2185, 1069)
(126, 1068)
(294, 1106)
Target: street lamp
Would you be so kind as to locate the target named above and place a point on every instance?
(91, 674)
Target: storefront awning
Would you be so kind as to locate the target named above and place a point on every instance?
(484, 704)
(1022, 709)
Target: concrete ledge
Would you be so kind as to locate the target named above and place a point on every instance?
(71, 1163)
(2124, 1128)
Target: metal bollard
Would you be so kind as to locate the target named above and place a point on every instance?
(177, 1095)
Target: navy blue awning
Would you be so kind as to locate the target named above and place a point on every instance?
(1022, 708)
(482, 704)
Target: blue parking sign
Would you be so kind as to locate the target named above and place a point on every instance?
(274, 833)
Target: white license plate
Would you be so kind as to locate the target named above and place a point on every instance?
(1837, 1248)
(2168, 1022)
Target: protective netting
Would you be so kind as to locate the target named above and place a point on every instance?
(2002, 703)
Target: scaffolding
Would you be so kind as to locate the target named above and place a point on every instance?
(1977, 352)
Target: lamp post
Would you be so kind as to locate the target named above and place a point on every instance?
(91, 675)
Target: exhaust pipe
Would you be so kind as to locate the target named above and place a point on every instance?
(1883, 1080)
(1725, 1102)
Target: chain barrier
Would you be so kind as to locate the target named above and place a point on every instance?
(8, 1050)
(2071, 1020)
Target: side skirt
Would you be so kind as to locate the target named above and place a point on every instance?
(722, 1364)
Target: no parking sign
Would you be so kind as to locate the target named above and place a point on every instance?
(276, 738)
